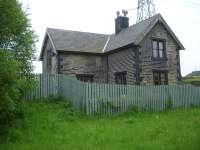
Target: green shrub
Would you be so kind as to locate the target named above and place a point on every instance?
(102, 105)
(12, 87)
(193, 80)
(9, 91)
(69, 112)
(133, 108)
(195, 83)
(57, 99)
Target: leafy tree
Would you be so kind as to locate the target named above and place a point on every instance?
(16, 52)
(16, 34)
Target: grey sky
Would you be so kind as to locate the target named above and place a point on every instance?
(183, 16)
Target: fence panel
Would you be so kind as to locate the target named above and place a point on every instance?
(108, 99)
(46, 85)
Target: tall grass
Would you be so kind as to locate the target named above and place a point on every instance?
(57, 126)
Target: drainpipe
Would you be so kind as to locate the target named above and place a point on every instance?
(137, 66)
(107, 71)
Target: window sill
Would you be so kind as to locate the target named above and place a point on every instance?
(159, 59)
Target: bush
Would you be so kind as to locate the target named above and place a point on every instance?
(12, 88)
(69, 112)
(58, 99)
(193, 80)
(9, 91)
(195, 83)
(133, 108)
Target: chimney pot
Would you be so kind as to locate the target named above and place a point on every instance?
(121, 22)
(125, 12)
(118, 14)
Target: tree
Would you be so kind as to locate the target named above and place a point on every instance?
(16, 34)
(17, 49)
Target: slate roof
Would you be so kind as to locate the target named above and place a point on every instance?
(65, 40)
(130, 35)
(136, 33)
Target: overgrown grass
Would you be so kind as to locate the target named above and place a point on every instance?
(56, 126)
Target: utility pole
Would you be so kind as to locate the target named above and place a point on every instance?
(145, 10)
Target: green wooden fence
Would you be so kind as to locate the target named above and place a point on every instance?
(108, 99)
(46, 85)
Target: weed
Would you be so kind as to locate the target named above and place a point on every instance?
(169, 103)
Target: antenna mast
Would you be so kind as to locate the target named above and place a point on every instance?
(145, 10)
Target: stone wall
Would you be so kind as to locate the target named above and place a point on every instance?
(50, 68)
(147, 64)
(102, 67)
(123, 60)
(72, 64)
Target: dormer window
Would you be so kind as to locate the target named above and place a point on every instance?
(159, 51)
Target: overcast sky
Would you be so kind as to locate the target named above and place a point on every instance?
(97, 16)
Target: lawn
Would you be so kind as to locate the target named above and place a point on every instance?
(51, 126)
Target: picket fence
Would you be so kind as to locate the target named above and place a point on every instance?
(108, 99)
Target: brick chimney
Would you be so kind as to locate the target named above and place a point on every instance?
(121, 22)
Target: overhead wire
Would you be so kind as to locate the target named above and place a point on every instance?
(194, 4)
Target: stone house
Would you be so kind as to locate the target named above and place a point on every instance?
(145, 53)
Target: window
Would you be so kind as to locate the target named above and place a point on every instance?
(61, 60)
(158, 49)
(49, 58)
(49, 61)
(85, 77)
(61, 67)
(160, 77)
(120, 77)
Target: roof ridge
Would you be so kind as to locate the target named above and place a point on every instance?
(77, 31)
(133, 25)
(146, 19)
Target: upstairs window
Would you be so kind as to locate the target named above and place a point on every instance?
(120, 77)
(61, 62)
(158, 49)
(85, 77)
(49, 62)
(160, 77)
(49, 55)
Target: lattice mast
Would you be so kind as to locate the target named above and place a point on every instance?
(145, 10)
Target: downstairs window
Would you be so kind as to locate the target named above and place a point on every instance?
(120, 77)
(85, 77)
(160, 77)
